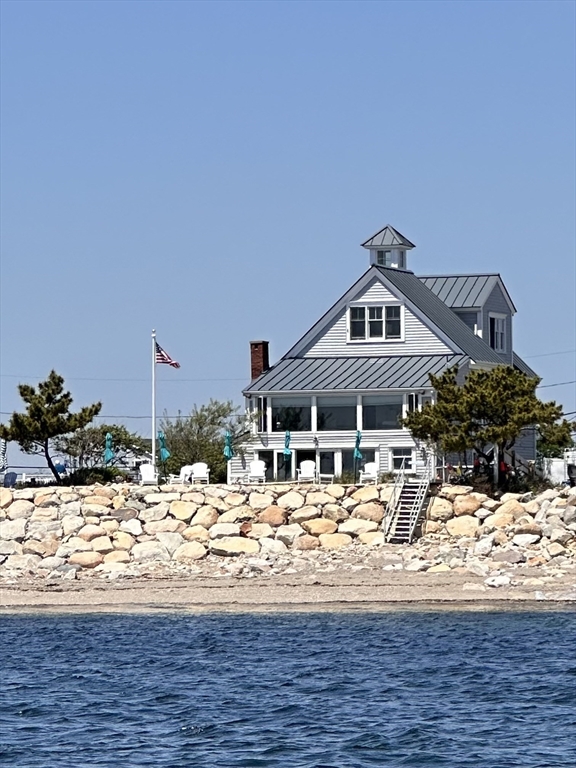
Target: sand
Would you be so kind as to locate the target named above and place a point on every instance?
(371, 590)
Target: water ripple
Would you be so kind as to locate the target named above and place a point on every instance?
(445, 690)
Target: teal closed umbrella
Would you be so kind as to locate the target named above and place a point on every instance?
(164, 452)
(287, 451)
(108, 450)
(357, 454)
(228, 450)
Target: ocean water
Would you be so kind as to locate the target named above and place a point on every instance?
(302, 690)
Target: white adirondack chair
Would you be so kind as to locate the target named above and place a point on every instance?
(200, 473)
(307, 472)
(148, 475)
(257, 473)
(183, 477)
(369, 474)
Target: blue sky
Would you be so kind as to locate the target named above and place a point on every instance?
(210, 168)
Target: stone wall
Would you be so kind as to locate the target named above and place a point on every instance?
(129, 530)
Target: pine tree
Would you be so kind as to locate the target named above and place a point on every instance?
(489, 410)
(47, 417)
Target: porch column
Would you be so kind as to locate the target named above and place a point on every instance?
(314, 415)
(359, 413)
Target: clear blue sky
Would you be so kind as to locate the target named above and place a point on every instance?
(210, 168)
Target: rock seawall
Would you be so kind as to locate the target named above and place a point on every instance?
(127, 530)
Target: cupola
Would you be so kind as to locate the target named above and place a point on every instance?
(388, 248)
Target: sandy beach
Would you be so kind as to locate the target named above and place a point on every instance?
(365, 591)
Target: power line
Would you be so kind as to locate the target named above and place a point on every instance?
(549, 354)
(559, 384)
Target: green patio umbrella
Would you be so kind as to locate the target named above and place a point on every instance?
(108, 450)
(357, 454)
(228, 450)
(164, 452)
(287, 451)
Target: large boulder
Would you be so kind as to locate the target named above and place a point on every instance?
(102, 544)
(440, 509)
(86, 559)
(306, 542)
(23, 562)
(231, 546)
(102, 500)
(318, 498)
(172, 541)
(291, 500)
(334, 540)
(159, 498)
(371, 511)
(367, 493)
(183, 510)
(196, 533)
(499, 520)
(149, 550)
(288, 533)
(356, 526)
(13, 529)
(371, 538)
(91, 531)
(260, 530)
(465, 525)
(512, 507)
(168, 525)
(260, 501)
(20, 508)
(319, 526)
(5, 498)
(335, 512)
(273, 515)
(188, 552)
(158, 512)
(306, 513)
(133, 527)
(123, 540)
(220, 530)
(336, 491)
(465, 505)
(205, 516)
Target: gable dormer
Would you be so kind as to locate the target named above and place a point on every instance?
(388, 248)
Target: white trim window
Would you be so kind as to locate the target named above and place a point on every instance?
(401, 456)
(375, 322)
(497, 332)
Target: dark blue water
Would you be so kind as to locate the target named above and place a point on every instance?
(489, 690)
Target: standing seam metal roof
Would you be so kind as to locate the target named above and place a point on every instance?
(460, 291)
(440, 314)
(306, 374)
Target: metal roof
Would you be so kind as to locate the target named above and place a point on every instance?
(459, 291)
(425, 300)
(522, 366)
(388, 237)
(306, 374)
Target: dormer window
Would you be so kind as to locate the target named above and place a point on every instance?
(498, 332)
(375, 323)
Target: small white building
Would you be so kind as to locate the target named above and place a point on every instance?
(366, 363)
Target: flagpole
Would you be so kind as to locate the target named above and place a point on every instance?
(154, 399)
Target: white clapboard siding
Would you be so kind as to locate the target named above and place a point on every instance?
(418, 338)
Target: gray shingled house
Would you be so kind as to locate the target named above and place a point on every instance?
(365, 363)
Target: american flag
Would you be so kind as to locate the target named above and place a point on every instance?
(164, 357)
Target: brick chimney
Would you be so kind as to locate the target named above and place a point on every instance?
(259, 358)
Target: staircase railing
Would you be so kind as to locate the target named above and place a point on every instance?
(395, 504)
(394, 501)
(420, 498)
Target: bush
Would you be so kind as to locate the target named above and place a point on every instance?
(92, 475)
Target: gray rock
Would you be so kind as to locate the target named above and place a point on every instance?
(13, 529)
(508, 556)
(155, 513)
(149, 550)
(11, 547)
(51, 563)
(20, 508)
(525, 539)
(132, 526)
(497, 581)
(483, 547)
(171, 541)
(123, 514)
